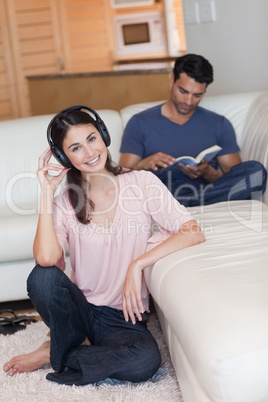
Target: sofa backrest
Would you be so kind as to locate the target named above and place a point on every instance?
(23, 141)
(234, 107)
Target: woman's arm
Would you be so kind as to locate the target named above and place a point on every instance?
(188, 235)
(46, 248)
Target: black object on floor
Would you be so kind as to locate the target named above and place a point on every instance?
(10, 325)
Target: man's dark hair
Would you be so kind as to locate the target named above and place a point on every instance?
(195, 66)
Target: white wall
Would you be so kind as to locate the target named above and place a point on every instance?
(235, 44)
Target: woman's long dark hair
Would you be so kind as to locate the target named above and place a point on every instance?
(77, 187)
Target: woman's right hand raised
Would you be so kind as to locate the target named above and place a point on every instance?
(46, 180)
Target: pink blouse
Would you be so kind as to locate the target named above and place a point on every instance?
(99, 256)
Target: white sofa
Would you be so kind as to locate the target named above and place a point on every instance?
(211, 299)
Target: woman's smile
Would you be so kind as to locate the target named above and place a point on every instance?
(93, 161)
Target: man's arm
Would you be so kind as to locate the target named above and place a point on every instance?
(152, 162)
(132, 149)
(226, 162)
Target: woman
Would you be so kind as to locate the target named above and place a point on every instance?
(97, 321)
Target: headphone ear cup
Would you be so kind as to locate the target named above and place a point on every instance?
(60, 156)
(103, 132)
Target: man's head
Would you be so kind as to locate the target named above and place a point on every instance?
(195, 66)
(188, 83)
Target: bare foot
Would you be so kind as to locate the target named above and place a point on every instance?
(86, 342)
(30, 361)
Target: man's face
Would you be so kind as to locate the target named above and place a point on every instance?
(186, 94)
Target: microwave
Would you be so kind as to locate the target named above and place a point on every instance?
(139, 33)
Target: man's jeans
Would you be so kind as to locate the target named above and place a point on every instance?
(244, 181)
(118, 349)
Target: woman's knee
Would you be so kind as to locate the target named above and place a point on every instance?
(41, 278)
(152, 361)
(146, 362)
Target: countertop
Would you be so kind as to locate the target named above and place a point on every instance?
(118, 69)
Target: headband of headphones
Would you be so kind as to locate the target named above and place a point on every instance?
(100, 125)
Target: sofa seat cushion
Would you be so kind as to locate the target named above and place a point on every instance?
(214, 298)
(16, 236)
(14, 276)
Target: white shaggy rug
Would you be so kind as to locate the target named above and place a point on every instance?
(34, 386)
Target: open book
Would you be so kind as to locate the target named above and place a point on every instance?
(207, 154)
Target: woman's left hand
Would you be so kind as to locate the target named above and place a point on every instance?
(131, 296)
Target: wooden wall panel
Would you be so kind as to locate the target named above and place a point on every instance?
(31, 27)
(28, 47)
(36, 16)
(85, 40)
(91, 11)
(85, 37)
(8, 94)
(29, 5)
(180, 23)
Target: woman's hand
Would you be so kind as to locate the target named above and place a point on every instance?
(131, 295)
(46, 180)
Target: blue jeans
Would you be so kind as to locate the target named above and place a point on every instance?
(118, 349)
(244, 181)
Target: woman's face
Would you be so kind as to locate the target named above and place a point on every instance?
(85, 148)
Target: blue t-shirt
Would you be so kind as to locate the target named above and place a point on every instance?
(149, 132)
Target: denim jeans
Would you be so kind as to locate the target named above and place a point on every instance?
(118, 350)
(244, 181)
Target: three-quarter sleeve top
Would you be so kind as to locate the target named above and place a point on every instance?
(100, 256)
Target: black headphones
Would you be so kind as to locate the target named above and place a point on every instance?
(100, 125)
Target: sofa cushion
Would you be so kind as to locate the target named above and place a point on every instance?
(16, 236)
(25, 140)
(235, 107)
(214, 298)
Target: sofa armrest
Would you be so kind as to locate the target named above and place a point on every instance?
(255, 137)
(254, 142)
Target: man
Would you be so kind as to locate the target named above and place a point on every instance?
(154, 138)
